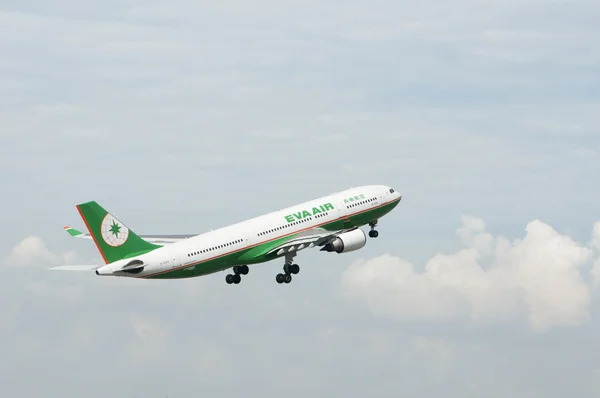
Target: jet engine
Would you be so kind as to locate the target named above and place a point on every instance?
(126, 266)
(347, 242)
(133, 267)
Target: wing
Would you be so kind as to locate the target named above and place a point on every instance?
(159, 239)
(306, 240)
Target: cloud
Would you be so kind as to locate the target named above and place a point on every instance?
(595, 243)
(537, 279)
(596, 236)
(32, 251)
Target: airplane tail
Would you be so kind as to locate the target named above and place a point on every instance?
(114, 240)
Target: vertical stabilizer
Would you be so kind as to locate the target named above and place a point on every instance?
(114, 240)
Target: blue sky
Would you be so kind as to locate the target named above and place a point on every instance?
(187, 116)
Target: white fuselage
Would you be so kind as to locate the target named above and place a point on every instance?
(256, 231)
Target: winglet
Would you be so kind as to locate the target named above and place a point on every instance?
(72, 231)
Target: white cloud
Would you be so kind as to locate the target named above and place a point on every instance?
(32, 251)
(473, 234)
(596, 236)
(595, 243)
(537, 278)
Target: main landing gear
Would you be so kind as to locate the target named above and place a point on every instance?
(373, 233)
(288, 268)
(236, 278)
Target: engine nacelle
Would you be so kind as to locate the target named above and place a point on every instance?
(134, 267)
(125, 266)
(347, 242)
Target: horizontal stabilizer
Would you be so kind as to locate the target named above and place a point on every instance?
(76, 267)
(75, 233)
(157, 239)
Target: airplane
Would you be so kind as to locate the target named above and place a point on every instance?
(332, 223)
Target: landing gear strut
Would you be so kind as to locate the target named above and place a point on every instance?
(235, 277)
(373, 233)
(288, 268)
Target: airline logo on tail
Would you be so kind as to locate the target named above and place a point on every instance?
(113, 232)
(114, 240)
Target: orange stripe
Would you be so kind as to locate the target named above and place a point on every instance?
(266, 241)
(91, 234)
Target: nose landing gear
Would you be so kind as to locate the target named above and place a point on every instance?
(373, 232)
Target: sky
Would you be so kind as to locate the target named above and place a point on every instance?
(186, 116)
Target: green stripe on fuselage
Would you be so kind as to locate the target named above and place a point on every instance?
(257, 253)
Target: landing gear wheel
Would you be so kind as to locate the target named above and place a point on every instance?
(241, 269)
(373, 233)
(280, 278)
(237, 271)
(289, 268)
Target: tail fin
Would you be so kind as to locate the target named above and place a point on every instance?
(114, 240)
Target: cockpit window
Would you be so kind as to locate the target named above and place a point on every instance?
(391, 190)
